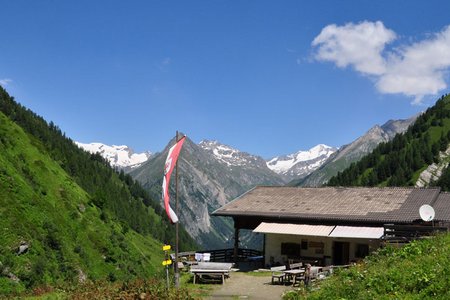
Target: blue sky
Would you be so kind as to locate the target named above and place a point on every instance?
(266, 77)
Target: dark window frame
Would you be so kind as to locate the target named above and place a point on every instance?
(290, 249)
(362, 250)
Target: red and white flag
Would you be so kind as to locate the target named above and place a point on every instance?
(171, 161)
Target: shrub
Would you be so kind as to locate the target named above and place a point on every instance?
(418, 270)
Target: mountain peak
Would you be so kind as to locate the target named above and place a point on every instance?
(392, 127)
(228, 155)
(301, 163)
(120, 156)
(357, 149)
(210, 175)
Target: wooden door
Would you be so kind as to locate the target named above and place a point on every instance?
(341, 251)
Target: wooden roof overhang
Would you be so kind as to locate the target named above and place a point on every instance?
(328, 206)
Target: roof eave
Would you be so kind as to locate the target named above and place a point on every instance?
(327, 218)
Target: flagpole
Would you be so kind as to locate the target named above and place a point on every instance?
(177, 272)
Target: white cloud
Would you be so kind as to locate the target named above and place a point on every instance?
(418, 69)
(357, 45)
(4, 82)
(415, 70)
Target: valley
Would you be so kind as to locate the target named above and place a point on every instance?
(212, 174)
(294, 150)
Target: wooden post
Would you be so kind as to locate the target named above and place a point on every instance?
(177, 271)
(236, 244)
(264, 251)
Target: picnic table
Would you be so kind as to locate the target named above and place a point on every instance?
(301, 274)
(295, 274)
(284, 275)
(213, 269)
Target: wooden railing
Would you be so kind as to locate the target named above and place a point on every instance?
(405, 233)
(227, 255)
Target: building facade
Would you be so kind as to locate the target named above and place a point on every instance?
(332, 225)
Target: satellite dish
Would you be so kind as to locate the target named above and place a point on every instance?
(426, 213)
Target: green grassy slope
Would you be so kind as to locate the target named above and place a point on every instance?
(117, 195)
(79, 217)
(419, 270)
(41, 205)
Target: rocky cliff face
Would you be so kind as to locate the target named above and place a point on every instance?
(434, 171)
(210, 175)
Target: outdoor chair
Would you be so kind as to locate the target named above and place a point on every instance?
(326, 271)
(295, 266)
(277, 273)
(181, 266)
(299, 278)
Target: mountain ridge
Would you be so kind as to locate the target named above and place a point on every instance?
(122, 157)
(355, 150)
(218, 173)
(401, 161)
(301, 163)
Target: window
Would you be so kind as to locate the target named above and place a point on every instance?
(304, 244)
(362, 250)
(290, 249)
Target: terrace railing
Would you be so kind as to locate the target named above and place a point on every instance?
(227, 255)
(394, 233)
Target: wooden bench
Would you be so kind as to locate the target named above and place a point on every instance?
(212, 273)
(298, 278)
(212, 269)
(294, 276)
(311, 260)
(277, 273)
(295, 266)
(180, 266)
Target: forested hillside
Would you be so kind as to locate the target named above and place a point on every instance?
(75, 217)
(400, 161)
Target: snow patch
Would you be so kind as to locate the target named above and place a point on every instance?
(118, 156)
(227, 154)
(282, 164)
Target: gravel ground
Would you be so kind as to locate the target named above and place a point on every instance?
(243, 286)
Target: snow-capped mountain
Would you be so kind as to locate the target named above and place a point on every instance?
(229, 155)
(118, 156)
(301, 163)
